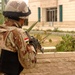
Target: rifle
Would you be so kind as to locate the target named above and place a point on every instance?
(33, 41)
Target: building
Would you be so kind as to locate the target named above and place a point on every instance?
(56, 13)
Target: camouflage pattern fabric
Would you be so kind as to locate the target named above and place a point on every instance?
(14, 42)
(26, 52)
(17, 6)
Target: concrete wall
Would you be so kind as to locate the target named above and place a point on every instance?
(68, 9)
(48, 3)
(68, 12)
(33, 5)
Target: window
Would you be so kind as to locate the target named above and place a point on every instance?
(51, 14)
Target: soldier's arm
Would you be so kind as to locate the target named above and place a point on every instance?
(19, 41)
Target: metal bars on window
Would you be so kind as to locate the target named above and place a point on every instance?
(51, 14)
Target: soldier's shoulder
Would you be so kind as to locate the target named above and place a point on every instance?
(20, 30)
(2, 28)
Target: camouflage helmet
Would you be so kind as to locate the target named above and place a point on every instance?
(16, 9)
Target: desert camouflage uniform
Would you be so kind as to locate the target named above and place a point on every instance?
(13, 41)
(13, 36)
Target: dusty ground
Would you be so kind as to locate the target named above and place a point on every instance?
(53, 64)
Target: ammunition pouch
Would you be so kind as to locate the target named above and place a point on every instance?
(9, 63)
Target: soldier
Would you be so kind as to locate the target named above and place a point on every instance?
(14, 52)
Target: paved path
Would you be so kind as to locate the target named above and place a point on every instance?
(53, 64)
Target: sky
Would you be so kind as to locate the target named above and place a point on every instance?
(26, 1)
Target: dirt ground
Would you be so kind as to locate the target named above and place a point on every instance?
(51, 65)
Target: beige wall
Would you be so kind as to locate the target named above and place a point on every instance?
(34, 4)
(34, 10)
(43, 16)
(48, 3)
(68, 10)
(33, 1)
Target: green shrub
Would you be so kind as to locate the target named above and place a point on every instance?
(38, 36)
(56, 29)
(67, 44)
(1, 18)
(50, 40)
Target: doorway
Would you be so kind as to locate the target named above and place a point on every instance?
(51, 14)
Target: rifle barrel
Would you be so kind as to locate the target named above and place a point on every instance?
(30, 28)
